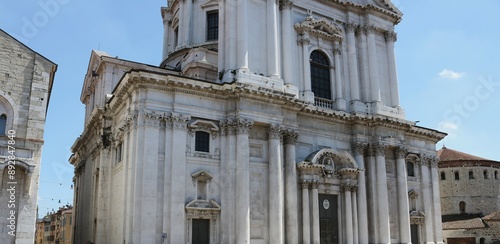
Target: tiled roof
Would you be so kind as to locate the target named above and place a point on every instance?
(462, 221)
(446, 154)
(495, 216)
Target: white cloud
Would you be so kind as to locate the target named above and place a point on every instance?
(447, 126)
(450, 74)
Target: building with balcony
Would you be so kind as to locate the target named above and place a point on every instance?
(266, 122)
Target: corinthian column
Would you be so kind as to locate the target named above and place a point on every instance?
(426, 198)
(241, 34)
(188, 8)
(390, 38)
(382, 197)
(242, 182)
(306, 223)
(346, 189)
(178, 191)
(287, 38)
(373, 63)
(358, 149)
(291, 210)
(315, 212)
(436, 203)
(404, 210)
(353, 62)
(308, 95)
(339, 100)
(275, 186)
(228, 191)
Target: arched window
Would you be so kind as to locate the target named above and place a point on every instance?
(482, 240)
(202, 141)
(496, 175)
(457, 176)
(461, 205)
(485, 174)
(471, 175)
(320, 75)
(443, 176)
(3, 124)
(410, 169)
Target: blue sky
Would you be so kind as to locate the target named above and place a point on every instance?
(446, 53)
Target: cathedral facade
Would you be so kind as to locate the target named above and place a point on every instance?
(266, 122)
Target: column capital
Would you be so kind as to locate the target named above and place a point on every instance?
(350, 26)
(337, 49)
(314, 184)
(369, 29)
(178, 122)
(304, 184)
(429, 160)
(378, 148)
(290, 136)
(358, 148)
(348, 188)
(285, 4)
(243, 126)
(304, 38)
(390, 36)
(400, 152)
(275, 131)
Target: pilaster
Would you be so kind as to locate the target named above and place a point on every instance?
(339, 99)
(353, 62)
(275, 185)
(315, 212)
(403, 205)
(291, 209)
(373, 63)
(426, 198)
(179, 134)
(362, 212)
(382, 195)
(390, 38)
(307, 94)
(306, 222)
(243, 127)
(346, 192)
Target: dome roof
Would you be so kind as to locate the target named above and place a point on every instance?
(452, 158)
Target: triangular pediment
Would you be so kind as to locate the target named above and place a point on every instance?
(320, 27)
(210, 3)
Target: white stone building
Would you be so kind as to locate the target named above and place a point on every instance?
(266, 122)
(26, 79)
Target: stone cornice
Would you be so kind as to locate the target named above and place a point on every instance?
(235, 91)
(389, 12)
(466, 163)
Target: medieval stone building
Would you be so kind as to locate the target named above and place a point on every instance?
(266, 122)
(470, 197)
(26, 79)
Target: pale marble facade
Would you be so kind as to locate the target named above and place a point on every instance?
(26, 79)
(227, 141)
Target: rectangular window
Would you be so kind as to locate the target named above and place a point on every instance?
(118, 153)
(212, 26)
(202, 141)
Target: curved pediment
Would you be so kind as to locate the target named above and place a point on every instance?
(320, 27)
(328, 156)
